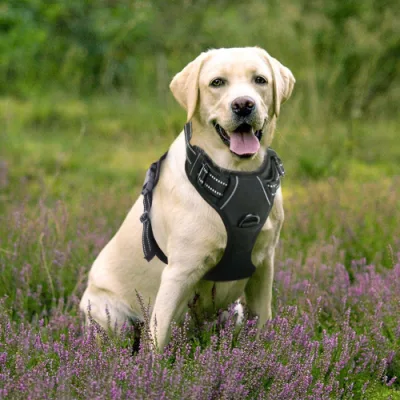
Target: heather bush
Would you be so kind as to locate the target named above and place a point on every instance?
(335, 332)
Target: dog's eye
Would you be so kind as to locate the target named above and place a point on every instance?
(217, 82)
(260, 80)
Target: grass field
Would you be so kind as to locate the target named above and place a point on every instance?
(70, 168)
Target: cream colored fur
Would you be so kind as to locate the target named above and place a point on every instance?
(188, 230)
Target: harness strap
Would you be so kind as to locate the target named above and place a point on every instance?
(216, 180)
(208, 177)
(150, 246)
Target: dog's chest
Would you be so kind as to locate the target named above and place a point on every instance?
(217, 235)
(210, 297)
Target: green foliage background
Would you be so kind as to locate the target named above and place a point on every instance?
(346, 51)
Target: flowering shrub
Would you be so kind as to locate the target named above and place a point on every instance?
(335, 332)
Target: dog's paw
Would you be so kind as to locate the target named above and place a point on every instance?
(239, 312)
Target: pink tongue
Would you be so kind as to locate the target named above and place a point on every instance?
(243, 143)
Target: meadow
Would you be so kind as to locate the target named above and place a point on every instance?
(70, 172)
(81, 121)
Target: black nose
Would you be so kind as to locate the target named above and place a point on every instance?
(243, 106)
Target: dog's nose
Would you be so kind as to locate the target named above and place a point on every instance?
(243, 106)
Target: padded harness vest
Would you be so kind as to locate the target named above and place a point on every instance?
(243, 200)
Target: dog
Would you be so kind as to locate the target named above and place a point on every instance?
(211, 89)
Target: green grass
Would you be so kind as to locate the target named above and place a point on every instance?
(75, 149)
(102, 138)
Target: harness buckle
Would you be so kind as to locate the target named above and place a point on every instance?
(144, 217)
(203, 173)
(148, 182)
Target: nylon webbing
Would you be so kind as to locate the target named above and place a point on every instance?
(209, 177)
(150, 246)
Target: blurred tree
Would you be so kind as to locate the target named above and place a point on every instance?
(344, 51)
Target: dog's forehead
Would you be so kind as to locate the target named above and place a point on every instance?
(235, 62)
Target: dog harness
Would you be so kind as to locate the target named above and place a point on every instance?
(243, 200)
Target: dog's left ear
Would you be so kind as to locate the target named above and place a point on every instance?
(283, 81)
(185, 85)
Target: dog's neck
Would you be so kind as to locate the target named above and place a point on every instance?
(206, 138)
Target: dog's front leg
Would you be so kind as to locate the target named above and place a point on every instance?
(258, 290)
(171, 301)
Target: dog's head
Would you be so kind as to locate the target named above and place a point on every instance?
(234, 95)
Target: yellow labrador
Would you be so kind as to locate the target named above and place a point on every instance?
(211, 89)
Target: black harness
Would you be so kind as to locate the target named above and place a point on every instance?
(243, 200)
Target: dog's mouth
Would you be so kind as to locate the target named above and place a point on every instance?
(244, 141)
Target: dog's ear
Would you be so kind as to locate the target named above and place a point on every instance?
(185, 85)
(283, 81)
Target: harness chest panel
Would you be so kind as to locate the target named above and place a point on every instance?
(242, 199)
